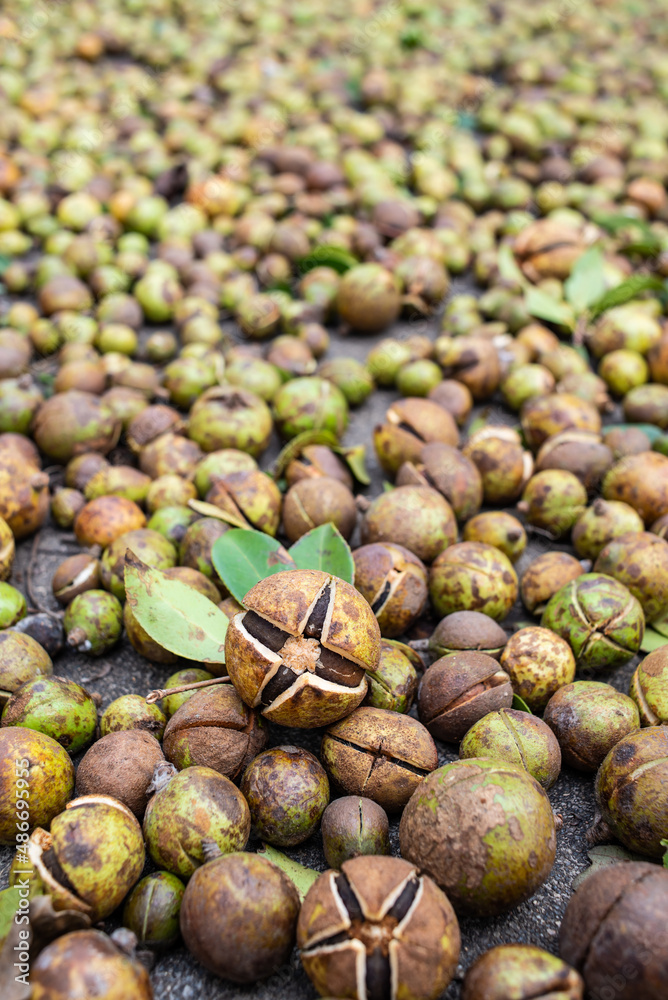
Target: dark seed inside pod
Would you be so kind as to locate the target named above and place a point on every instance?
(405, 900)
(402, 426)
(52, 864)
(378, 975)
(269, 635)
(279, 683)
(338, 670)
(317, 617)
(348, 897)
(382, 597)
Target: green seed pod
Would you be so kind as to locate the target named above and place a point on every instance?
(472, 576)
(55, 706)
(13, 605)
(93, 622)
(553, 500)
(589, 718)
(352, 826)
(393, 684)
(131, 711)
(622, 371)
(416, 517)
(521, 971)
(386, 360)
(351, 377)
(152, 909)
(649, 688)
(538, 663)
(517, 738)
(172, 522)
(150, 546)
(600, 523)
(499, 529)
(525, 382)
(639, 560)
(44, 771)
(287, 792)
(418, 378)
(311, 403)
(228, 417)
(191, 675)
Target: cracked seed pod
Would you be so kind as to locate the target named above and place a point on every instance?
(472, 576)
(484, 831)
(121, 765)
(410, 424)
(538, 663)
(392, 685)
(378, 929)
(312, 502)
(92, 856)
(394, 582)
(316, 460)
(548, 248)
(601, 523)
(640, 481)
(545, 576)
(474, 361)
(639, 560)
(458, 690)
(467, 630)
(582, 454)
(251, 905)
(502, 462)
(300, 650)
(517, 738)
(152, 909)
(353, 826)
(649, 688)
(215, 729)
(87, 962)
(614, 932)
(589, 718)
(380, 754)
(599, 618)
(150, 424)
(287, 792)
(632, 790)
(416, 517)
(545, 416)
(450, 472)
(454, 397)
(523, 972)
(250, 494)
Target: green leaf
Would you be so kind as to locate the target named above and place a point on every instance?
(294, 448)
(652, 640)
(9, 904)
(664, 843)
(324, 548)
(327, 256)
(302, 877)
(354, 457)
(508, 267)
(243, 557)
(626, 291)
(543, 306)
(520, 705)
(5, 261)
(178, 617)
(601, 857)
(586, 283)
(651, 430)
(388, 487)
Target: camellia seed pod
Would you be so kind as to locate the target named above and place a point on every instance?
(416, 517)
(538, 662)
(639, 560)
(467, 630)
(521, 971)
(544, 416)
(503, 464)
(248, 902)
(614, 931)
(589, 718)
(22, 659)
(649, 688)
(93, 622)
(287, 792)
(368, 298)
(640, 481)
(378, 929)
(394, 582)
(312, 502)
(497, 528)
(7, 549)
(301, 648)
(604, 521)
(34, 763)
(74, 422)
(518, 738)
(103, 520)
(410, 424)
(447, 470)
(55, 706)
(353, 826)
(392, 685)
(458, 690)
(130, 712)
(88, 962)
(383, 754)
(545, 576)
(445, 831)
(121, 765)
(472, 576)
(152, 909)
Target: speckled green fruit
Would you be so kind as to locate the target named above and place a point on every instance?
(589, 718)
(649, 688)
(518, 738)
(520, 972)
(287, 792)
(55, 706)
(307, 404)
(131, 711)
(392, 685)
(45, 778)
(497, 528)
(228, 417)
(600, 620)
(12, 605)
(351, 826)
(472, 576)
(152, 909)
(93, 622)
(197, 806)
(639, 560)
(190, 675)
(632, 790)
(416, 517)
(172, 522)
(600, 523)
(484, 831)
(21, 659)
(538, 663)
(553, 500)
(351, 377)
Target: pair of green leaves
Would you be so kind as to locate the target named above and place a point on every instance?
(188, 624)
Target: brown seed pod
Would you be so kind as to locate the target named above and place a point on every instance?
(578, 452)
(74, 422)
(394, 582)
(250, 494)
(150, 424)
(75, 575)
(538, 663)
(521, 971)
(316, 460)
(502, 462)
(377, 929)
(474, 361)
(89, 962)
(545, 416)
(121, 765)
(467, 630)
(589, 718)
(545, 576)
(214, 729)
(312, 502)
(170, 454)
(454, 397)
(383, 754)
(450, 472)
(287, 792)
(415, 517)
(105, 519)
(640, 481)
(353, 826)
(409, 424)
(458, 689)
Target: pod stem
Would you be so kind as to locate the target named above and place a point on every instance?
(161, 693)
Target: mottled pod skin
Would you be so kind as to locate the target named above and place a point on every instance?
(196, 808)
(499, 529)
(312, 502)
(472, 576)
(484, 831)
(251, 493)
(7, 550)
(215, 729)
(518, 738)
(544, 416)
(601, 523)
(21, 659)
(121, 765)
(538, 663)
(416, 517)
(131, 711)
(310, 403)
(150, 546)
(45, 779)
(589, 718)
(394, 582)
(378, 929)
(88, 963)
(458, 689)
(55, 706)
(351, 826)
(521, 972)
(93, 622)
(614, 932)
(71, 423)
(287, 792)
(394, 682)
(641, 481)
(649, 688)
(553, 500)
(152, 909)
(300, 651)
(450, 472)
(190, 675)
(639, 560)
(238, 917)
(92, 856)
(502, 462)
(229, 417)
(599, 618)
(467, 630)
(411, 423)
(75, 575)
(368, 298)
(632, 790)
(102, 520)
(380, 754)
(544, 576)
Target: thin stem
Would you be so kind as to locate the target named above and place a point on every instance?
(161, 693)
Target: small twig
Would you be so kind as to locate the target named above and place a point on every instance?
(161, 693)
